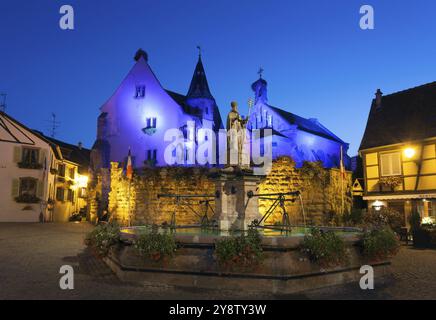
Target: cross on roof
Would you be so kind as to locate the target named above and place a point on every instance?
(199, 50)
(260, 72)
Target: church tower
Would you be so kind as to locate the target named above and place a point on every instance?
(199, 96)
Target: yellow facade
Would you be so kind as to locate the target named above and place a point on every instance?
(417, 173)
(402, 176)
(69, 191)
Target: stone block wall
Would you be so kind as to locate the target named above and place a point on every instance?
(145, 207)
(320, 192)
(138, 199)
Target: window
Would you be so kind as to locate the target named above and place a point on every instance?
(140, 92)
(151, 123)
(61, 170)
(390, 164)
(151, 154)
(72, 173)
(269, 121)
(28, 187)
(60, 194)
(29, 159)
(70, 195)
(82, 193)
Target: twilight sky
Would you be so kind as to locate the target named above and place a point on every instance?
(317, 61)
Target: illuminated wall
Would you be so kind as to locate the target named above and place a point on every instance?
(417, 169)
(290, 139)
(139, 113)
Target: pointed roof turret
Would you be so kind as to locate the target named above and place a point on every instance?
(199, 87)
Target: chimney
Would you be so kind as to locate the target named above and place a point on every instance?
(80, 145)
(378, 99)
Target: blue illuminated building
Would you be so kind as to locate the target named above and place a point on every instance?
(299, 138)
(140, 111)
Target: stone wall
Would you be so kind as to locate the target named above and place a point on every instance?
(320, 188)
(145, 207)
(320, 192)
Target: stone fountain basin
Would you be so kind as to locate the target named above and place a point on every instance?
(284, 270)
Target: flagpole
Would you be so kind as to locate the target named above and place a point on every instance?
(342, 181)
(128, 208)
(129, 175)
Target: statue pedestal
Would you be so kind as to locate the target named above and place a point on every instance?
(234, 210)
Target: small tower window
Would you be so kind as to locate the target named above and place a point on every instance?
(151, 154)
(140, 92)
(151, 123)
(269, 121)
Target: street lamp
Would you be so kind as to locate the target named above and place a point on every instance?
(409, 153)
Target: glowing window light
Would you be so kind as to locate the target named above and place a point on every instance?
(409, 153)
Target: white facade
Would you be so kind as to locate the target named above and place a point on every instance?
(25, 177)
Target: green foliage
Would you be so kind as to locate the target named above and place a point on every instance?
(315, 172)
(354, 218)
(154, 245)
(241, 251)
(325, 248)
(385, 217)
(103, 237)
(380, 244)
(391, 182)
(27, 198)
(415, 221)
(424, 235)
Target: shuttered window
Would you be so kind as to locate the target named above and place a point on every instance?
(390, 164)
(60, 194)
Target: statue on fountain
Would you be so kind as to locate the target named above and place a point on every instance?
(238, 155)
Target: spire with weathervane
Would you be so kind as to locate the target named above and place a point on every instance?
(199, 87)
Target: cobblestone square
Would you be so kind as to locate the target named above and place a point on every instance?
(32, 254)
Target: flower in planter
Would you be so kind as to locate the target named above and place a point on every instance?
(391, 182)
(27, 198)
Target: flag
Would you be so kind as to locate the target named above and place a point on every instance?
(342, 167)
(342, 181)
(129, 168)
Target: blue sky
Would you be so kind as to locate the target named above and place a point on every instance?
(317, 61)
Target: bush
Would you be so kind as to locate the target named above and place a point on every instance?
(103, 237)
(424, 235)
(154, 245)
(354, 218)
(325, 248)
(415, 221)
(380, 244)
(241, 251)
(379, 219)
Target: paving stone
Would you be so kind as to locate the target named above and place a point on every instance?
(31, 255)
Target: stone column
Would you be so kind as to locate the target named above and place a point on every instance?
(234, 210)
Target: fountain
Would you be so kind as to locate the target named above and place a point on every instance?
(284, 268)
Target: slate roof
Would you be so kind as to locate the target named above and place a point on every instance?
(180, 99)
(308, 125)
(73, 153)
(403, 116)
(199, 87)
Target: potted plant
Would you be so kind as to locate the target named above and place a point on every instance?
(391, 182)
